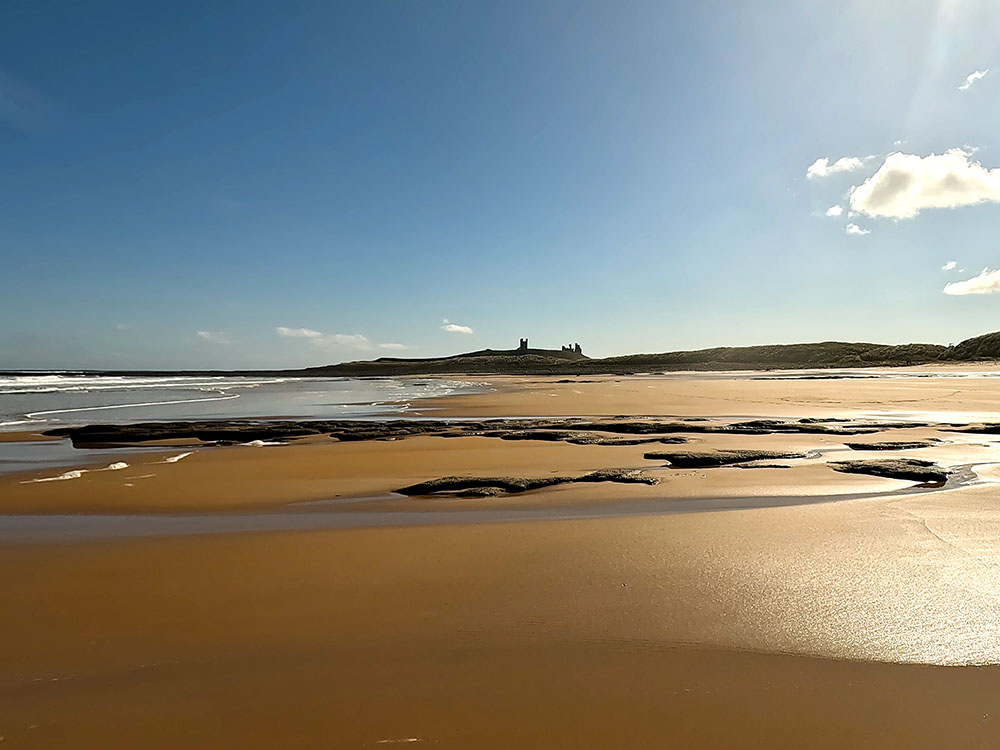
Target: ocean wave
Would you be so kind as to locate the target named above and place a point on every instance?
(47, 399)
(11, 385)
(50, 412)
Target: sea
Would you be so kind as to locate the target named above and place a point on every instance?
(38, 401)
(42, 400)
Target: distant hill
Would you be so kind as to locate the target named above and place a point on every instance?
(825, 354)
(982, 347)
(526, 361)
(494, 361)
(789, 356)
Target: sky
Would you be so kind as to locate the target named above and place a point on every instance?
(264, 184)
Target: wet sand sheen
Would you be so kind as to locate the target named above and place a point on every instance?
(818, 625)
(583, 633)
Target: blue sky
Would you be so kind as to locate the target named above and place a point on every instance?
(233, 184)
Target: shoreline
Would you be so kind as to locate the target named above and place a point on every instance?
(316, 468)
(804, 604)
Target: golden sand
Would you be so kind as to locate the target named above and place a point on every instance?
(602, 633)
(766, 394)
(828, 625)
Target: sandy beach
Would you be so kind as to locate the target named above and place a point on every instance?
(500, 376)
(954, 392)
(867, 620)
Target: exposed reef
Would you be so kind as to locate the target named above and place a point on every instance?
(576, 438)
(577, 431)
(712, 459)
(492, 486)
(913, 469)
(892, 445)
(976, 429)
(220, 432)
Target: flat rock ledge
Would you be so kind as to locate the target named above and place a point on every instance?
(893, 446)
(713, 459)
(913, 469)
(494, 486)
(578, 431)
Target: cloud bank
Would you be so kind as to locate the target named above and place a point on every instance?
(823, 168)
(318, 338)
(213, 337)
(987, 282)
(970, 79)
(455, 328)
(906, 184)
(300, 333)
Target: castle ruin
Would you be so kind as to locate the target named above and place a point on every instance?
(571, 348)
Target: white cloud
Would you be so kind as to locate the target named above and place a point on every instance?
(823, 168)
(987, 282)
(300, 333)
(214, 337)
(455, 328)
(353, 340)
(855, 229)
(949, 265)
(906, 184)
(396, 347)
(972, 78)
(318, 338)
(834, 211)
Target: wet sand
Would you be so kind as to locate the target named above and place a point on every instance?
(819, 625)
(242, 478)
(688, 630)
(924, 391)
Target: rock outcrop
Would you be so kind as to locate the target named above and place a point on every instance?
(492, 486)
(913, 469)
(714, 459)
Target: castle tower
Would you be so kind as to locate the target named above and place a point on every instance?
(524, 345)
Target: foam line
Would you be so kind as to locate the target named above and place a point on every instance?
(175, 459)
(75, 474)
(35, 414)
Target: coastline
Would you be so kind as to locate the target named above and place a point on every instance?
(840, 622)
(242, 478)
